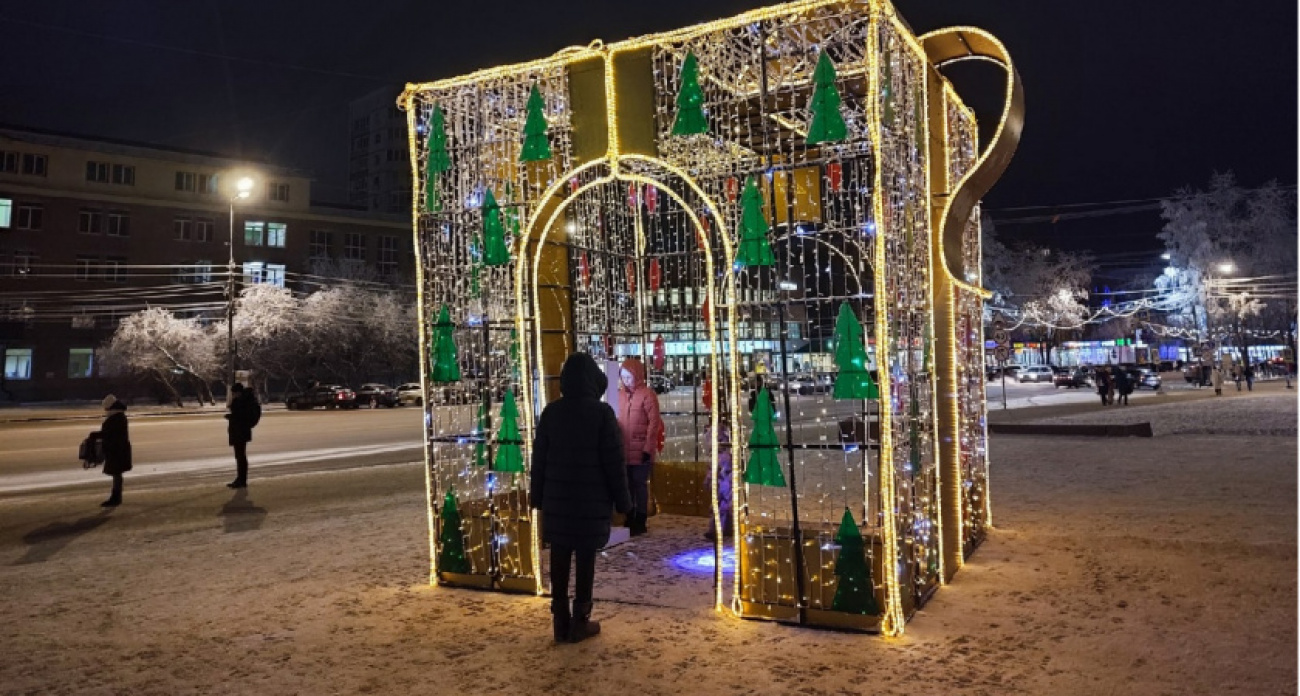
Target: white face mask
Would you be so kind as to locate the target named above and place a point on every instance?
(627, 378)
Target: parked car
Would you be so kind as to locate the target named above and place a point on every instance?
(410, 393)
(1077, 378)
(327, 396)
(808, 383)
(1034, 373)
(1144, 378)
(373, 395)
(660, 383)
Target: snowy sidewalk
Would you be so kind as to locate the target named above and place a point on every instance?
(1165, 570)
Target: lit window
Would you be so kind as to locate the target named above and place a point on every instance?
(274, 275)
(275, 233)
(254, 233)
(253, 272)
(18, 363)
(6, 212)
(81, 363)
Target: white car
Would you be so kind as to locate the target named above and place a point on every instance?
(410, 393)
(1036, 373)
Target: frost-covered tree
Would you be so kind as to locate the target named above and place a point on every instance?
(1232, 266)
(156, 345)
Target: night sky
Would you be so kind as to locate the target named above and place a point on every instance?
(1125, 99)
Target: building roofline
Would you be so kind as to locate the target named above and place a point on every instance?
(54, 138)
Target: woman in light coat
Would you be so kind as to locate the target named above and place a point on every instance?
(643, 431)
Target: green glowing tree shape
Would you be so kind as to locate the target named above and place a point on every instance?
(755, 249)
(764, 468)
(495, 251)
(853, 381)
(690, 101)
(536, 146)
(481, 434)
(854, 593)
(510, 456)
(451, 539)
(438, 160)
(444, 367)
(827, 122)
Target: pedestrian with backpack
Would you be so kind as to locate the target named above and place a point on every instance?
(245, 413)
(116, 443)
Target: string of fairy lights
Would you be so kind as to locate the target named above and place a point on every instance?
(783, 220)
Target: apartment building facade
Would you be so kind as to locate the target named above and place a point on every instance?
(379, 159)
(92, 230)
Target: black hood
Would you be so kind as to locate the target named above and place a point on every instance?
(581, 378)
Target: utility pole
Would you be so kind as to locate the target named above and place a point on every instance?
(243, 189)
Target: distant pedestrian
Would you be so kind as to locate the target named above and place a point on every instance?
(1123, 386)
(1103, 386)
(723, 482)
(1216, 377)
(1249, 373)
(578, 476)
(643, 437)
(1236, 376)
(245, 413)
(117, 446)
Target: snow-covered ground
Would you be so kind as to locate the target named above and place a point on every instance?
(1162, 566)
(1272, 414)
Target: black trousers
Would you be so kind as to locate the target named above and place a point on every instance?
(585, 570)
(638, 483)
(116, 493)
(241, 461)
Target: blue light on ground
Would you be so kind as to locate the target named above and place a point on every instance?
(701, 560)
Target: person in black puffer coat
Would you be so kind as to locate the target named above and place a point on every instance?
(578, 480)
(117, 447)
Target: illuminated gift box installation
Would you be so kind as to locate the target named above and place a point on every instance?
(792, 190)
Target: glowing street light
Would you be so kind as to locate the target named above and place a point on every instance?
(1165, 256)
(1226, 267)
(244, 187)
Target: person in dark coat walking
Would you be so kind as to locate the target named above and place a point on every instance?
(117, 447)
(1123, 386)
(245, 412)
(578, 480)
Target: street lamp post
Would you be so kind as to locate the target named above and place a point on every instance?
(243, 189)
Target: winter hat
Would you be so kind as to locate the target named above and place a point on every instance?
(108, 402)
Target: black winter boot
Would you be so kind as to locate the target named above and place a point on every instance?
(637, 525)
(560, 622)
(582, 626)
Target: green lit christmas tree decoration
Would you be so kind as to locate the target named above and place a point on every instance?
(495, 251)
(510, 456)
(755, 250)
(444, 367)
(437, 162)
(451, 540)
(854, 593)
(827, 122)
(481, 434)
(853, 381)
(764, 468)
(690, 118)
(537, 148)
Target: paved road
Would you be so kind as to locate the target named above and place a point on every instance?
(42, 455)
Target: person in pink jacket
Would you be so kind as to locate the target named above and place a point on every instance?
(643, 430)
